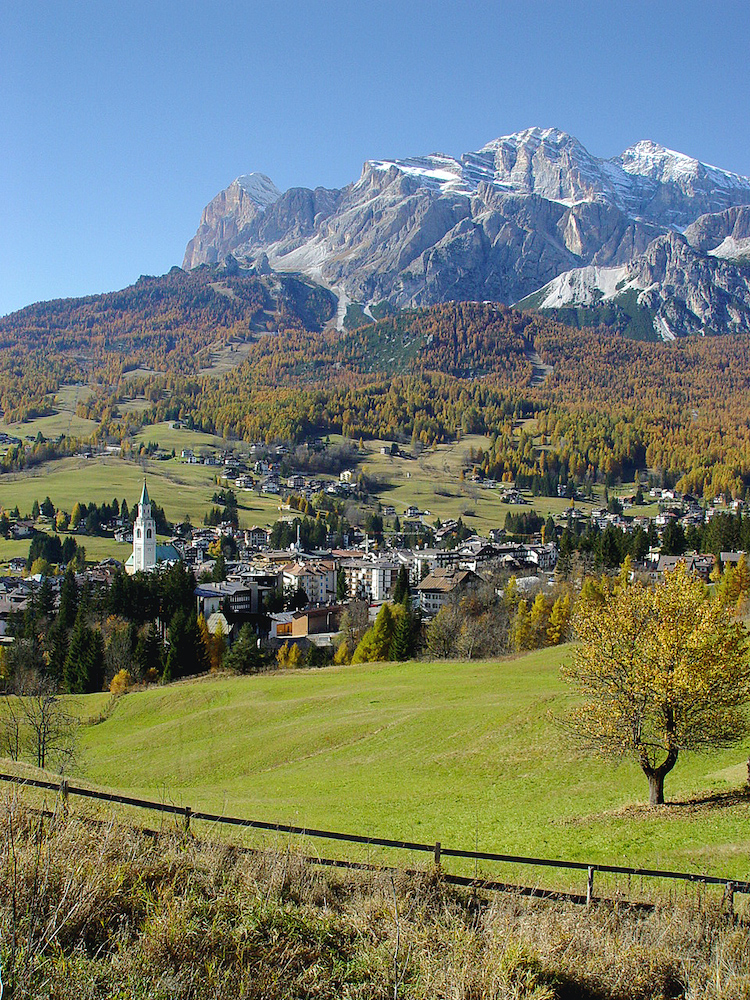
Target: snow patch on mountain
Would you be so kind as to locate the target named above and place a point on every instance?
(435, 170)
(732, 249)
(259, 188)
(585, 286)
(307, 259)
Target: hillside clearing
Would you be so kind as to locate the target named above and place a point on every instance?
(465, 753)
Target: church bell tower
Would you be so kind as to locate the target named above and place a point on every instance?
(144, 535)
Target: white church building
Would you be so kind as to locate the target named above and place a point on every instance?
(147, 552)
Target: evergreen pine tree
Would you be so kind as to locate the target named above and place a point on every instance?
(57, 650)
(74, 670)
(187, 654)
(45, 598)
(243, 656)
(177, 658)
(68, 599)
(219, 572)
(84, 665)
(401, 588)
(95, 662)
(402, 644)
(149, 653)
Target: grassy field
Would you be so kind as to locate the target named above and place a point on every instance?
(432, 482)
(168, 437)
(180, 488)
(464, 753)
(64, 421)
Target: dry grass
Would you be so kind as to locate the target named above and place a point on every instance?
(105, 911)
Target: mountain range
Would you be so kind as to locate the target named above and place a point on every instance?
(652, 240)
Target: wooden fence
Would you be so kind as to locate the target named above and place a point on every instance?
(731, 886)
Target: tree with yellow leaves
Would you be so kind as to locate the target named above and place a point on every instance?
(290, 656)
(205, 640)
(520, 633)
(661, 670)
(559, 620)
(733, 586)
(539, 615)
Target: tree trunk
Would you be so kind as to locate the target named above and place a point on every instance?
(655, 789)
(656, 776)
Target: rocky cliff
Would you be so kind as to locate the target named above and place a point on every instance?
(495, 224)
(672, 289)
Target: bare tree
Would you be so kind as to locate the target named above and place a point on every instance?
(470, 639)
(355, 621)
(353, 514)
(49, 731)
(10, 727)
(441, 635)
(118, 653)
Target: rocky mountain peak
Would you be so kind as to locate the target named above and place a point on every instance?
(649, 159)
(259, 188)
(543, 161)
(496, 223)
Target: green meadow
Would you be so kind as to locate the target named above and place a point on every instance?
(63, 421)
(432, 482)
(466, 753)
(179, 488)
(168, 437)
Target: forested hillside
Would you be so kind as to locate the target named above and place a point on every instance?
(164, 324)
(602, 406)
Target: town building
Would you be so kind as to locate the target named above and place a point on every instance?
(438, 586)
(317, 579)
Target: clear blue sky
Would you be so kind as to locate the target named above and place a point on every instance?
(119, 121)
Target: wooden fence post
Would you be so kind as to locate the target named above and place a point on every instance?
(437, 856)
(590, 886)
(64, 795)
(729, 893)
(188, 811)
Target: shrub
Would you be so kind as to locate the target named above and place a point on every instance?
(121, 683)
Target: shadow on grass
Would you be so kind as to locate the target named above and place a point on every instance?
(719, 800)
(709, 802)
(672, 808)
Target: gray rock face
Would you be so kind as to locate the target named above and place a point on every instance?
(690, 291)
(709, 231)
(680, 289)
(495, 224)
(229, 215)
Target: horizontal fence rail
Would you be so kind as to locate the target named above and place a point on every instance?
(438, 852)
